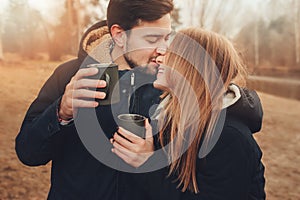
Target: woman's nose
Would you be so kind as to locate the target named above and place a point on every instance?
(160, 59)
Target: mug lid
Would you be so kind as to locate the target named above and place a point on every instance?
(129, 117)
(102, 65)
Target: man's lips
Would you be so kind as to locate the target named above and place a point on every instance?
(153, 62)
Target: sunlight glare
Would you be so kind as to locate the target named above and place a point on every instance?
(50, 10)
(42, 6)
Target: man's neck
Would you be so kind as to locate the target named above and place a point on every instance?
(118, 57)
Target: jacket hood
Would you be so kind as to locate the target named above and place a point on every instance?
(96, 42)
(247, 109)
(240, 103)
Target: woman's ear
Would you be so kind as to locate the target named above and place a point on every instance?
(118, 35)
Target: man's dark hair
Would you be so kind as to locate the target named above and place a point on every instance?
(128, 13)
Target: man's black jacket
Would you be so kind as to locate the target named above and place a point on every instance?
(75, 172)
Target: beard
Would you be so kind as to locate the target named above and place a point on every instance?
(142, 68)
(130, 62)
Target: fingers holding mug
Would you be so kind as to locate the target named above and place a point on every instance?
(107, 72)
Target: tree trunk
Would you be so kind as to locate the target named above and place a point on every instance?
(1, 48)
(202, 13)
(296, 27)
(256, 44)
(80, 24)
(72, 20)
(191, 4)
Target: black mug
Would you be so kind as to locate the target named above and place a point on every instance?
(109, 73)
(134, 123)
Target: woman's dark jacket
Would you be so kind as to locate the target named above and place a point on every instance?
(232, 170)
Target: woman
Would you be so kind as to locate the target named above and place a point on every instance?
(206, 123)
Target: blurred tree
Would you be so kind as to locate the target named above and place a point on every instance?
(62, 39)
(270, 39)
(272, 51)
(191, 7)
(1, 50)
(22, 28)
(175, 18)
(78, 15)
(1, 32)
(281, 53)
(27, 32)
(248, 38)
(288, 13)
(220, 16)
(296, 30)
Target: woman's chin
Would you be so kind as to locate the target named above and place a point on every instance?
(160, 86)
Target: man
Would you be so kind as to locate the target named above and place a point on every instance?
(140, 30)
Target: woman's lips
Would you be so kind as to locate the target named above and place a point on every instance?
(160, 70)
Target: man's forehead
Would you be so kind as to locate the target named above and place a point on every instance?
(151, 31)
(161, 26)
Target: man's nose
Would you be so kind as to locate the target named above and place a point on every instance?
(161, 50)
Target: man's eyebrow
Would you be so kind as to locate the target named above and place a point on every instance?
(154, 35)
(159, 35)
(170, 34)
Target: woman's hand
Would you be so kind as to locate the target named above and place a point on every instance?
(133, 149)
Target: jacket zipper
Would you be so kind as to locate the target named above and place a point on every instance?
(132, 93)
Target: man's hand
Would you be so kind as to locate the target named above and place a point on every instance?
(78, 93)
(133, 149)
